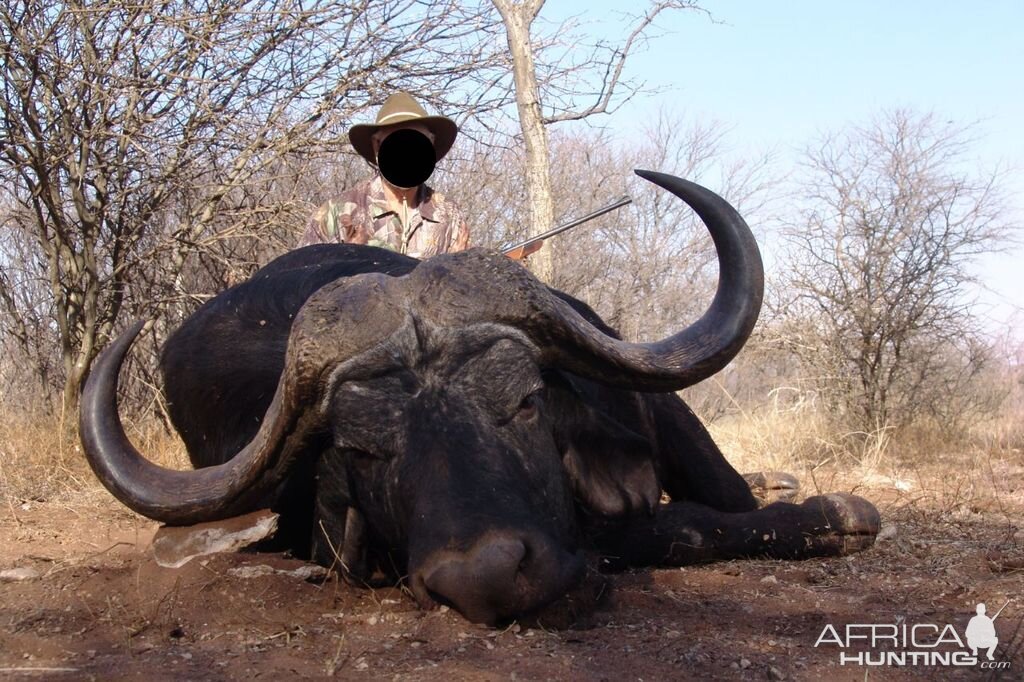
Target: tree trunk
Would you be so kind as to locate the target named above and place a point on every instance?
(517, 18)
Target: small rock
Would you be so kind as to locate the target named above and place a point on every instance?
(888, 532)
(1005, 562)
(250, 571)
(744, 663)
(775, 674)
(770, 580)
(259, 570)
(17, 574)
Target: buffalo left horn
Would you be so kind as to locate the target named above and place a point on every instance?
(476, 286)
(697, 351)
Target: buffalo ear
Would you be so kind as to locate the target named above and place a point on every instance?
(610, 466)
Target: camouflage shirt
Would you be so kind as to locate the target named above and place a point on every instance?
(361, 215)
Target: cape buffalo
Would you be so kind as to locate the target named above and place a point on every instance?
(456, 423)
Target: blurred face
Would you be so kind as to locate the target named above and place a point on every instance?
(405, 154)
(381, 134)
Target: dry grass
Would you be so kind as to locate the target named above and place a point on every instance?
(917, 471)
(41, 458)
(952, 509)
(37, 458)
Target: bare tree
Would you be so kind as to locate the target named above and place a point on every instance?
(880, 257)
(659, 266)
(133, 132)
(554, 96)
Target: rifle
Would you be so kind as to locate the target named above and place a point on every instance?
(525, 248)
(1001, 609)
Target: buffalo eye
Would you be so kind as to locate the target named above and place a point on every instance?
(527, 408)
(365, 458)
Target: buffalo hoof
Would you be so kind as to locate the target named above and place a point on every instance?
(850, 524)
(772, 486)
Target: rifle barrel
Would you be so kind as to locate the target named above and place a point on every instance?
(622, 201)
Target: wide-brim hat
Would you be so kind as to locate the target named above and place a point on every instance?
(402, 108)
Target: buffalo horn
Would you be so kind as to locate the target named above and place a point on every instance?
(699, 350)
(185, 497)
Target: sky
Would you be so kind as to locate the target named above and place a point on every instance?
(780, 74)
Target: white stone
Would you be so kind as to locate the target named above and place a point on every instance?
(259, 570)
(175, 546)
(18, 574)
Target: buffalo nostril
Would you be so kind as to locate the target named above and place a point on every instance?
(487, 564)
(440, 599)
(504, 558)
(501, 575)
(524, 562)
(480, 582)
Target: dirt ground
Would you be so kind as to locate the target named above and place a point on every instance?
(92, 604)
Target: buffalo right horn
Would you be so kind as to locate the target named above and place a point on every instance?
(186, 497)
(317, 344)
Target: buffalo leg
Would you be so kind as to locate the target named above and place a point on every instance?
(690, 465)
(684, 533)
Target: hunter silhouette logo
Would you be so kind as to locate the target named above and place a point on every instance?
(918, 644)
(981, 631)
